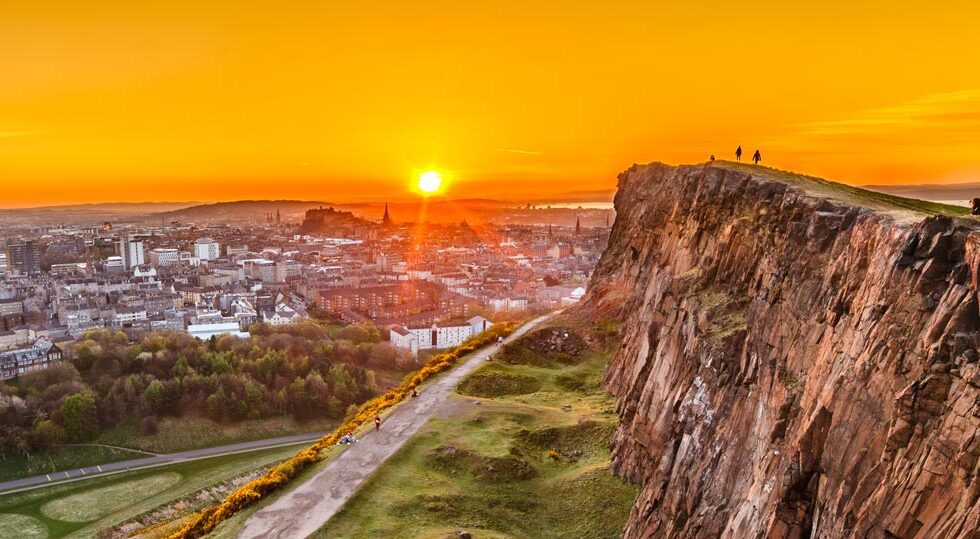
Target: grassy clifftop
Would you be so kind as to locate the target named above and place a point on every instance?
(847, 194)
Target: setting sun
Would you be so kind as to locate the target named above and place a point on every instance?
(430, 182)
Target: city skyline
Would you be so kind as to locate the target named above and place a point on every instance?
(112, 102)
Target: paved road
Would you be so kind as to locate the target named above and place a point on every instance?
(80, 474)
(306, 508)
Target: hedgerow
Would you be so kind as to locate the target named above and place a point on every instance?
(279, 475)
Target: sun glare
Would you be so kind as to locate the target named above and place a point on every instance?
(430, 182)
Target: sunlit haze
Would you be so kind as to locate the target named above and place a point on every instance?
(346, 101)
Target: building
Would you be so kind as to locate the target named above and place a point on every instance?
(235, 250)
(13, 339)
(9, 306)
(283, 314)
(206, 249)
(479, 324)
(15, 363)
(404, 339)
(131, 252)
(507, 304)
(124, 316)
(4, 266)
(164, 257)
(435, 336)
(25, 258)
(69, 268)
(115, 264)
(206, 331)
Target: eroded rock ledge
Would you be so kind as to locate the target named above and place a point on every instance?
(790, 366)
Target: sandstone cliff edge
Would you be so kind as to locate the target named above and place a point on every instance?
(798, 358)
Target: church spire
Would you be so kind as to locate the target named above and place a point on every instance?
(578, 226)
(386, 220)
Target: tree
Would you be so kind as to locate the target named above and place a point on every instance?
(216, 406)
(49, 434)
(79, 413)
(156, 397)
(181, 368)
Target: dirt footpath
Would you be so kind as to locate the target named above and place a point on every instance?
(303, 510)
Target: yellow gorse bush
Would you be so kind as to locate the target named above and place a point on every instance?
(279, 475)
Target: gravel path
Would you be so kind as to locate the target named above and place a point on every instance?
(303, 510)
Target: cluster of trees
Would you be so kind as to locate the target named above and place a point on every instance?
(304, 370)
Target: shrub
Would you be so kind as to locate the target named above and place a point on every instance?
(148, 425)
(496, 384)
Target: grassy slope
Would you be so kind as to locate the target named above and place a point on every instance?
(186, 433)
(193, 475)
(845, 193)
(488, 469)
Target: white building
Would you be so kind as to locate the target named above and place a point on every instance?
(206, 331)
(131, 252)
(284, 314)
(479, 324)
(188, 259)
(437, 337)
(207, 249)
(164, 257)
(128, 315)
(507, 304)
(404, 339)
(114, 263)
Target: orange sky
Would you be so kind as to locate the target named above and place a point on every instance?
(137, 100)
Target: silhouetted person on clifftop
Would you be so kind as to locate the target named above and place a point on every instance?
(738, 153)
(756, 157)
(976, 206)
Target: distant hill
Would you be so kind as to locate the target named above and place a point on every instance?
(91, 213)
(954, 193)
(249, 210)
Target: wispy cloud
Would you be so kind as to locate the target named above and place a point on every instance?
(950, 111)
(522, 152)
(13, 134)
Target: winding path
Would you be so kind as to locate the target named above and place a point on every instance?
(303, 510)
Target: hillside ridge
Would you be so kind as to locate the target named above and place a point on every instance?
(798, 358)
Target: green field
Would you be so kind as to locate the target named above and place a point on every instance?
(83, 508)
(528, 458)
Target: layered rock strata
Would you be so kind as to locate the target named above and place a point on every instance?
(792, 364)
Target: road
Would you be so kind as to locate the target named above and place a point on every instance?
(90, 472)
(303, 510)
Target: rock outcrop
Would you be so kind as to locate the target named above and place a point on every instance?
(792, 364)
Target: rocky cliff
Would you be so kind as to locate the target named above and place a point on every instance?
(799, 358)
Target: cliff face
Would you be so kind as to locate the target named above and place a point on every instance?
(791, 365)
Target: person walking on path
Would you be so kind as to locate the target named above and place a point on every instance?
(738, 153)
(377, 422)
(756, 157)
